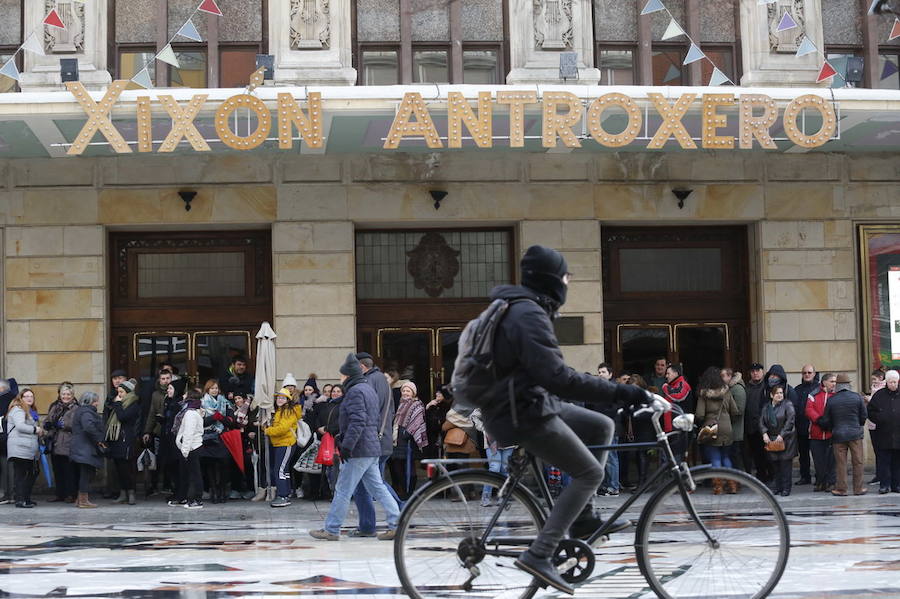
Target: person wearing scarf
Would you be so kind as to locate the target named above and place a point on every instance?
(410, 437)
(214, 456)
(122, 417)
(777, 423)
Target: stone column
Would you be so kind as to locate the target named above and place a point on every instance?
(84, 38)
(540, 30)
(770, 57)
(311, 42)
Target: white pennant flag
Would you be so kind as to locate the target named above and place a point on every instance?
(33, 44)
(718, 77)
(167, 55)
(189, 30)
(673, 30)
(10, 69)
(143, 79)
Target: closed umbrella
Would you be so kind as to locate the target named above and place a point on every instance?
(264, 389)
(235, 446)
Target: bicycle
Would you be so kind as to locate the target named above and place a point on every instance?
(689, 542)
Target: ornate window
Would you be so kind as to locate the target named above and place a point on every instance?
(226, 57)
(424, 41)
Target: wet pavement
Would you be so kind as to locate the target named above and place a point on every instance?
(842, 547)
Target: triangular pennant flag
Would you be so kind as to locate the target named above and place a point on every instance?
(189, 30)
(653, 6)
(33, 44)
(826, 72)
(53, 20)
(694, 54)
(212, 8)
(10, 69)
(889, 69)
(787, 22)
(673, 30)
(895, 30)
(672, 74)
(143, 79)
(718, 77)
(168, 55)
(806, 47)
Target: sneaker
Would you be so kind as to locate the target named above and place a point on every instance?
(234, 495)
(205, 495)
(299, 494)
(280, 502)
(5, 501)
(358, 533)
(248, 495)
(176, 502)
(612, 493)
(486, 502)
(194, 505)
(387, 535)
(324, 535)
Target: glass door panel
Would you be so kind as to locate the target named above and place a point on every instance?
(213, 351)
(448, 347)
(151, 350)
(409, 351)
(699, 346)
(639, 346)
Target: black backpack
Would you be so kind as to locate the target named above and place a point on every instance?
(475, 379)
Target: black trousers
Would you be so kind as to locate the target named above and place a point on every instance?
(803, 445)
(737, 455)
(85, 476)
(823, 459)
(191, 477)
(24, 475)
(65, 473)
(215, 472)
(783, 470)
(757, 450)
(889, 468)
(125, 473)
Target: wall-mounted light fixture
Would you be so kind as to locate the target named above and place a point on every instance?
(188, 197)
(68, 69)
(682, 194)
(438, 195)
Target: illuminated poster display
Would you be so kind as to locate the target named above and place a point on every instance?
(880, 268)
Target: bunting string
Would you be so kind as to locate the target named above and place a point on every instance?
(34, 42)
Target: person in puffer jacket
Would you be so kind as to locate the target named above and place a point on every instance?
(820, 439)
(282, 439)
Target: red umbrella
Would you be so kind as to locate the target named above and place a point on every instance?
(232, 441)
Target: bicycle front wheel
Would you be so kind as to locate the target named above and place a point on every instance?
(438, 548)
(744, 554)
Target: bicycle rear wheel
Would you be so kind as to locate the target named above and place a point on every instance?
(749, 528)
(441, 530)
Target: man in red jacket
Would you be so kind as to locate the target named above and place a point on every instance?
(820, 440)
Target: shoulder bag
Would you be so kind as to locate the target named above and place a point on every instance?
(710, 432)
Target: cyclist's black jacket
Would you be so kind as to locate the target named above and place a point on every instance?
(526, 346)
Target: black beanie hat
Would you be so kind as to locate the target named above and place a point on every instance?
(542, 270)
(351, 366)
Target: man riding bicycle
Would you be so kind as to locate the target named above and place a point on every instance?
(525, 347)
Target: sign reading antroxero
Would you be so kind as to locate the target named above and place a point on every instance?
(562, 111)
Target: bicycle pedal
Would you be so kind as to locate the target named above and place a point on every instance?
(567, 565)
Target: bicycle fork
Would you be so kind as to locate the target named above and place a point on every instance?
(685, 487)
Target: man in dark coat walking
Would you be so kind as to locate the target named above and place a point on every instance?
(845, 414)
(884, 412)
(557, 432)
(809, 385)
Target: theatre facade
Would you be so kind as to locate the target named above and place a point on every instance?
(372, 193)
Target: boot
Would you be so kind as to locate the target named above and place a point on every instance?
(131, 500)
(270, 494)
(733, 487)
(717, 486)
(122, 498)
(261, 493)
(84, 501)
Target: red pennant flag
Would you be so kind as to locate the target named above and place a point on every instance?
(895, 30)
(826, 73)
(211, 7)
(53, 20)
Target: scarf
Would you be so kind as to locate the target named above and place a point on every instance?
(210, 406)
(771, 418)
(352, 382)
(114, 427)
(176, 425)
(411, 417)
(242, 414)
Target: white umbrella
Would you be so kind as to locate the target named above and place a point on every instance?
(264, 387)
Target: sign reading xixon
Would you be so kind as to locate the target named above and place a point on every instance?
(562, 111)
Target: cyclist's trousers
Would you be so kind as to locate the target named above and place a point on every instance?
(562, 441)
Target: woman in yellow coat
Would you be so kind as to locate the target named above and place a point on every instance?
(282, 439)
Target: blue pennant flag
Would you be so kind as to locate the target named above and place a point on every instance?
(189, 30)
(718, 78)
(143, 79)
(806, 47)
(694, 54)
(10, 69)
(787, 22)
(672, 73)
(889, 69)
(653, 6)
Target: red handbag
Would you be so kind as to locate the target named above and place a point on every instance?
(326, 451)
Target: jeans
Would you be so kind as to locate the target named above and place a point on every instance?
(889, 469)
(803, 446)
(280, 464)
(823, 458)
(364, 504)
(840, 461)
(718, 456)
(498, 460)
(352, 471)
(561, 440)
(85, 475)
(24, 475)
(611, 472)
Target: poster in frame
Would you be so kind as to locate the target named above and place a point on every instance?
(880, 272)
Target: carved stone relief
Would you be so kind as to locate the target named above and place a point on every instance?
(553, 29)
(310, 24)
(433, 264)
(786, 41)
(71, 39)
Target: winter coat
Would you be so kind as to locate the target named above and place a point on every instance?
(716, 406)
(526, 348)
(815, 409)
(359, 421)
(21, 439)
(59, 425)
(756, 399)
(326, 415)
(282, 433)
(845, 415)
(378, 382)
(155, 415)
(803, 391)
(5, 400)
(190, 434)
(236, 384)
(87, 433)
(884, 412)
(739, 394)
(130, 419)
(678, 392)
(784, 426)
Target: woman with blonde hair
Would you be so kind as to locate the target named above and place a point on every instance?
(410, 437)
(22, 445)
(58, 426)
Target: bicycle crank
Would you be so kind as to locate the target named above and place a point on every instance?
(574, 559)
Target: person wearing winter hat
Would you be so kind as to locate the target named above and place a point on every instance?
(123, 415)
(189, 442)
(360, 450)
(310, 391)
(557, 432)
(281, 444)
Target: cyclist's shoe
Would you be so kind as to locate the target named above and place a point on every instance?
(583, 527)
(543, 570)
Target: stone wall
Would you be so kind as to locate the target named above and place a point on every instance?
(801, 210)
